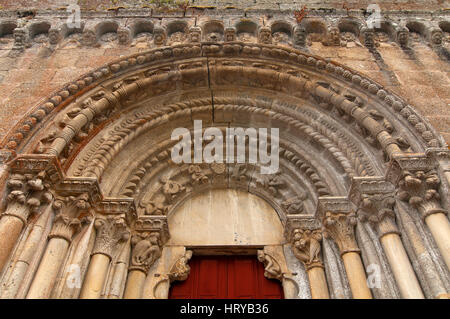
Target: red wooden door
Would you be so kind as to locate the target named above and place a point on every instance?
(226, 277)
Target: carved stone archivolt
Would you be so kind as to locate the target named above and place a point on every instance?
(107, 152)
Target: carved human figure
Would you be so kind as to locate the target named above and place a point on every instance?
(230, 34)
(197, 174)
(89, 38)
(294, 205)
(20, 39)
(306, 246)
(436, 37)
(403, 37)
(154, 207)
(146, 250)
(299, 36)
(333, 36)
(214, 37)
(275, 182)
(272, 268)
(124, 36)
(195, 34)
(171, 188)
(265, 35)
(53, 36)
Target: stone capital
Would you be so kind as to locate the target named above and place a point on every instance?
(338, 222)
(306, 246)
(417, 181)
(67, 215)
(112, 230)
(375, 199)
(27, 192)
(146, 249)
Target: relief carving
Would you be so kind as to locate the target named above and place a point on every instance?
(146, 250)
(68, 210)
(306, 247)
(421, 190)
(180, 270)
(111, 231)
(272, 268)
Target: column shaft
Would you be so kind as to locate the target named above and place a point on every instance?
(10, 229)
(401, 267)
(318, 283)
(49, 268)
(440, 229)
(26, 256)
(95, 277)
(135, 285)
(356, 275)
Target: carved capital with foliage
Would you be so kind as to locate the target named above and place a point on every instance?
(111, 231)
(338, 222)
(28, 192)
(375, 200)
(417, 182)
(67, 215)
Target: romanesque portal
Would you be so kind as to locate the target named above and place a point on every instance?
(95, 208)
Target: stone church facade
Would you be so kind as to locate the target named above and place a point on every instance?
(93, 206)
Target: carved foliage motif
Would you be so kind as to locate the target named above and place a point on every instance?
(374, 197)
(111, 231)
(341, 228)
(67, 211)
(421, 190)
(180, 270)
(31, 190)
(378, 210)
(306, 247)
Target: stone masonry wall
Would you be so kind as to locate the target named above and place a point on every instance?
(420, 73)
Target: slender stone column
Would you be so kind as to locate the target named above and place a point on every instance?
(146, 250)
(356, 275)
(11, 287)
(111, 232)
(26, 194)
(338, 222)
(427, 266)
(65, 225)
(306, 247)
(440, 229)
(117, 283)
(375, 198)
(401, 267)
